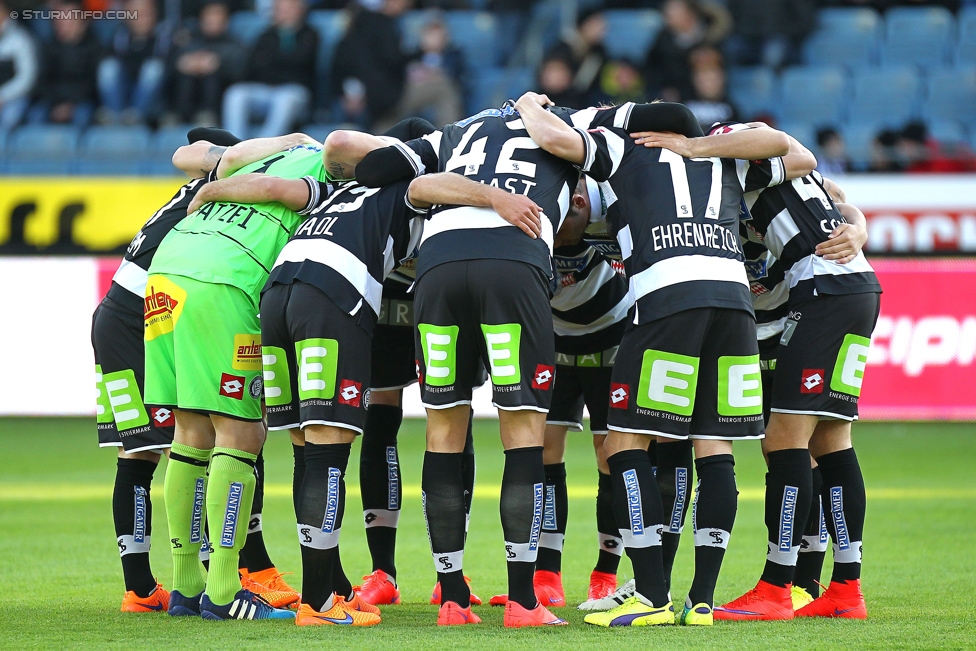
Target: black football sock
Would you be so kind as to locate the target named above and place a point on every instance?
(254, 555)
(611, 545)
(789, 484)
(813, 548)
(554, 515)
(205, 547)
(132, 512)
(652, 455)
(714, 515)
(379, 483)
(298, 476)
(844, 504)
(675, 477)
(320, 512)
(637, 510)
(340, 582)
(521, 505)
(468, 469)
(443, 500)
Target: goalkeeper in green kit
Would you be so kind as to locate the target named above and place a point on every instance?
(203, 361)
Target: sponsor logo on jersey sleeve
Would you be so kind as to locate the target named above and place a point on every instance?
(812, 380)
(350, 393)
(543, 377)
(619, 396)
(232, 386)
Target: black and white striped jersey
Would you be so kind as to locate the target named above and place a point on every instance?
(591, 301)
(349, 244)
(791, 220)
(129, 282)
(493, 147)
(676, 220)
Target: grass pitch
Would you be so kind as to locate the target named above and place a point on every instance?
(61, 582)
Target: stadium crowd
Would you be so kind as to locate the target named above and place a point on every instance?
(276, 65)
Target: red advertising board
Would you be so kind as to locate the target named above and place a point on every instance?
(921, 364)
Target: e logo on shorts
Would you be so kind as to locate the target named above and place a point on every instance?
(849, 368)
(739, 386)
(123, 395)
(277, 381)
(440, 353)
(668, 382)
(503, 342)
(318, 360)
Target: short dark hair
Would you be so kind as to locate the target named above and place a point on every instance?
(825, 135)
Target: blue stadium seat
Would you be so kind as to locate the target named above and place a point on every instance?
(168, 139)
(116, 141)
(104, 30)
(331, 26)
(805, 132)
(753, 90)
(319, 130)
(951, 95)
(41, 149)
(830, 48)
(920, 36)
(858, 138)
(630, 32)
(247, 26)
(887, 96)
(850, 21)
(817, 95)
(474, 32)
(966, 48)
(948, 132)
(492, 86)
(3, 140)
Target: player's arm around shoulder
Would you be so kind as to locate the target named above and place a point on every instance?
(250, 151)
(196, 160)
(448, 188)
(846, 239)
(294, 194)
(548, 130)
(756, 143)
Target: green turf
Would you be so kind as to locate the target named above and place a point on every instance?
(60, 579)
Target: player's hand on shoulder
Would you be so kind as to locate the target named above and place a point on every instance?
(846, 241)
(533, 98)
(518, 210)
(676, 142)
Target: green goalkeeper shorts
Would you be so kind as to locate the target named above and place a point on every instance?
(203, 348)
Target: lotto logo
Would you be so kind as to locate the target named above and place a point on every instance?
(812, 380)
(619, 396)
(162, 417)
(543, 377)
(350, 392)
(232, 386)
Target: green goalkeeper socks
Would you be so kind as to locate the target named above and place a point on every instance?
(184, 490)
(229, 498)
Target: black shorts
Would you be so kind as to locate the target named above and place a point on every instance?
(694, 374)
(767, 366)
(394, 363)
(822, 354)
(494, 312)
(121, 415)
(582, 380)
(316, 360)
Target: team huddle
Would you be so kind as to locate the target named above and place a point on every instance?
(689, 290)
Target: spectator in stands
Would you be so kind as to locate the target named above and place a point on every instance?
(769, 33)
(922, 154)
(621, 82)
(434, 77)
(556, 81)
(709, 94)
(193, 8)
(18, 70)
(370, 70)
(687, 25)
(832, 157)
(884, 153)
(130, 79)
(207, 61)
(67, 86)
(279, 75)
(585, 53)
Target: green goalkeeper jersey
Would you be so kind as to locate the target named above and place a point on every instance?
(237, 244)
